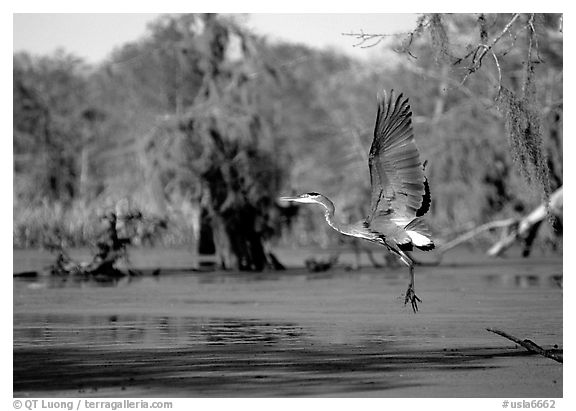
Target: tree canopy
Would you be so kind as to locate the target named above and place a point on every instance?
(202, 119)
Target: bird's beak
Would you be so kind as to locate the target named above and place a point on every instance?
(287, 199)
(299, 199)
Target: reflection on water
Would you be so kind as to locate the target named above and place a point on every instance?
(95, 331)
(491, 280)
(523, 281)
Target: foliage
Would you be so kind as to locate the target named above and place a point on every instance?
(515, 42)
(202, 118)
(49, 121)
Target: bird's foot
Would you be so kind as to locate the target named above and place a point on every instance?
(412, 297)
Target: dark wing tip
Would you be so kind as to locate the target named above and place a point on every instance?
(406, 246)
(426, 200)
(427, 247)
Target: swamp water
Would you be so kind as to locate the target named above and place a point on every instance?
(290, 333)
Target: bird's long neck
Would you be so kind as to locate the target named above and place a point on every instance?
(329, 210)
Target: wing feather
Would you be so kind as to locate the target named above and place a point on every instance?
(396, 172)
(426, 200)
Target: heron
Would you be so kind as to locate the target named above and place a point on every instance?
(400, 193)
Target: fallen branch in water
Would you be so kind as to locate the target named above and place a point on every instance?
(111, 249)
(529, 345)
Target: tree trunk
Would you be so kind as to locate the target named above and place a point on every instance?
(244, 240)
(206, 242)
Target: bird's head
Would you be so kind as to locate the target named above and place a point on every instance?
(307, 198)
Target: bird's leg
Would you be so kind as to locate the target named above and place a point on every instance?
(410, 294)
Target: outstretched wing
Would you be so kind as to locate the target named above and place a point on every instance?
(396, 173)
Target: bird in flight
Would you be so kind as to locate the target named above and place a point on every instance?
(400, 191)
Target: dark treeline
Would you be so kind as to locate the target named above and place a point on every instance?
(202, 124)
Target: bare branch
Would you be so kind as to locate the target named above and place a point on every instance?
(473, 233)
(504, 31)
(499, 73)
(533, 38)
(529, 345)
(366, 37)
(482, 49)
(528, 223)
(378, 37)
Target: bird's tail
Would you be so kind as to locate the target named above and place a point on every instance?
(419, 233)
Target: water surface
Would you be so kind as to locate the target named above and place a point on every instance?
(291, 333)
